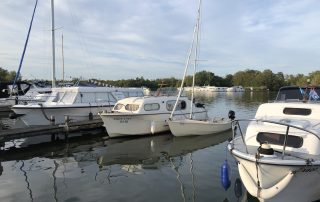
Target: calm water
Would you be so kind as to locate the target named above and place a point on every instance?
(91, 167)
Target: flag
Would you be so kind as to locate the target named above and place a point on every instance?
(301, 91)
(314, 95)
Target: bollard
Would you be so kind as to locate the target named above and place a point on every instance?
(90, 116)
(52, 120)
(66, 119)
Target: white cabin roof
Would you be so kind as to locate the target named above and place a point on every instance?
(145, 100)
(95, 89)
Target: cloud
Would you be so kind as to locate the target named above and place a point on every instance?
(110, 39)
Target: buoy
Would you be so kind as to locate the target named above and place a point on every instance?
(238, 188)
(153, 127)
(225, 180)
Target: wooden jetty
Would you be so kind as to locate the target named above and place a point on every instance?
(33, 131)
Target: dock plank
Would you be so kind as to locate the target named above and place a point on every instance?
(32, 131)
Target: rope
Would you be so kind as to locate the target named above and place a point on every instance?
(42, 110)
(257, 156)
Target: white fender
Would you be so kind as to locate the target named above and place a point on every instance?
(153, 127)
(252, 187)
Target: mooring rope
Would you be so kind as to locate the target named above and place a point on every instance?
(43, 112)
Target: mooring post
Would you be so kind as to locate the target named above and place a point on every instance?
(52, 120)
(66, 119)
(90, 116)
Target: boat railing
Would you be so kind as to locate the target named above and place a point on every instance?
(236, 125)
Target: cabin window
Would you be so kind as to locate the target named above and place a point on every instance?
(105, 97)
(297, 111)
(132, 107)
(55, 97)
(118, 106)
(87, 97)
(278, 139)
(152, 107)
(68, 98)
(180, 106)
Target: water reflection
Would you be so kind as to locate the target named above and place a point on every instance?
(154, 168)
(62, 164)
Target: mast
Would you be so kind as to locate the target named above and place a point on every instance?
(62, 60)
(194, 37)
(195, 58)
(53, 46)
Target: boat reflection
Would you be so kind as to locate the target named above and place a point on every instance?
(145, 150)
(100, 162)
(151, 150)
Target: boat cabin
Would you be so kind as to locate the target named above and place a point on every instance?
(151, 105)
(290, 114)
(74, 95)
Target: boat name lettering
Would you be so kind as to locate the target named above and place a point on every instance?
(122, 119)
(309, 169)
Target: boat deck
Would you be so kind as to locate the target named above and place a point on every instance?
(289, 155)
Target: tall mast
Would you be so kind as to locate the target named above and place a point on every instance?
(53, 46)
(62, 61)
(195, 57)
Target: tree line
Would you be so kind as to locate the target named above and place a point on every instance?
(265, 79)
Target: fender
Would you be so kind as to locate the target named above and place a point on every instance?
(268, 193)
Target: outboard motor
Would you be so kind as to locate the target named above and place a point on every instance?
(232, 115)
(265, 149)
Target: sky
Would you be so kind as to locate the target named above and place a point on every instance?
(123, 39)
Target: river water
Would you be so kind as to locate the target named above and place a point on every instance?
(91, 167)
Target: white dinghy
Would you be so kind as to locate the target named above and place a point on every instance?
(185, 126)
(279, 155)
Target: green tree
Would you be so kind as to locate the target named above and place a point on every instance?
(6, 76)
(315, 78)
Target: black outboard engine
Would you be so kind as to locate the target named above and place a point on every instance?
(265, 149)
(232, 115)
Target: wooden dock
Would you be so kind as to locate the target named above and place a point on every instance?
(11, 134)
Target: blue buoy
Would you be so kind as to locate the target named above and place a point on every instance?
(225, 180)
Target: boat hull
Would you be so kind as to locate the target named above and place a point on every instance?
(195, 127)
(279, 182)
(38, 116)
(119, 124)
(122, 125)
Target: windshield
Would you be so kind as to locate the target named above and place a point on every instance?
(298, 94)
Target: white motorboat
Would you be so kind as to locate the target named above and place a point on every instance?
(146, 115)
(279, 155)
(76, 103)
(235, 89)
(185, 126)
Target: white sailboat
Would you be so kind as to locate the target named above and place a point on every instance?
(70, 103)
(191, 126)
